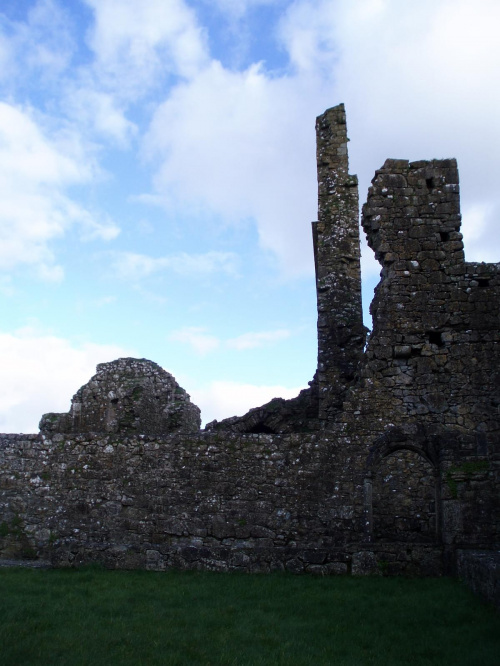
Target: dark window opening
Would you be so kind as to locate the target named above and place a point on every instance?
(430, 183)
(445, 236)
(435, 338)
(483, 282)
(260, 429)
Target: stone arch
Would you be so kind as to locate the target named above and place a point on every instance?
(402, 488)
(404, 498)
(410, 437)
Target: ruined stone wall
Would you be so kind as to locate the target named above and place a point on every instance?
(389, 462)
(341, 334)
(431, 376)
(434, 353)
(404, 499)
(253, 503)
(300, 502)
(481, 572)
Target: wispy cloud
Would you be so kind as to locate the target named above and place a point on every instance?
(133, 266)
(254, 340)
(98, 111)
(35, 171)
(197, 338)
(136, 43)
(203, 342)
(104, 301)
(6, 288)
(236, 9)
(41, 46)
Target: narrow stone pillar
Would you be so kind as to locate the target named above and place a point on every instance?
(341, 334)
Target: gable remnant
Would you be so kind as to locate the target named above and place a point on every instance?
(127, 396)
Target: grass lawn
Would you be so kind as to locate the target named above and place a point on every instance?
(93, 617)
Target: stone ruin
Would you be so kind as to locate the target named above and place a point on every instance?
(127, 396)
(388, 463)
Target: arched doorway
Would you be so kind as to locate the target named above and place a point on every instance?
(404, 498)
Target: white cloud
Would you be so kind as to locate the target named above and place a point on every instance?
(418, 82)
(100, 112)
(147, 199)
(6, 58)
(32, 156)
(137, 43)
(254, 340)
(91, 226)
(48, 42)
(104, 301)
(197, 338)
(222, 399)
(50, 273)
(6, 288)
(42, 46)
(34, 172)
(134, 266)
(236, 144)
(236, 9)
(203, 343)
(40, 373)
(308, 32)
(480, 231)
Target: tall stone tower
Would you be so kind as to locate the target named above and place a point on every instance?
(341, 334)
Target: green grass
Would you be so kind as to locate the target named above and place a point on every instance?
(93, 617)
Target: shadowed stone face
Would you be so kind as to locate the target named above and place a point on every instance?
(341, 334)
(128, 396)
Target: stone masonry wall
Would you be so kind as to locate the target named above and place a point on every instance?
(341, 334)
(434, 352)
(128, 395)
(404, 499)
(389, 462)
(254, 503)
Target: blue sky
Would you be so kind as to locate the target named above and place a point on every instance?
(157, 177)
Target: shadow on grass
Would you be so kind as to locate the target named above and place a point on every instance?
(92, 616)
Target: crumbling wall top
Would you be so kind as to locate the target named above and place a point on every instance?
(128, 395)
(412, 214)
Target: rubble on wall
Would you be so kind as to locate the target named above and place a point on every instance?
(298, 414)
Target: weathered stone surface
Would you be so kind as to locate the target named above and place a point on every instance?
(481, 571)
(241, 502)
(127, 396)
(341, 333)
(389, 463)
